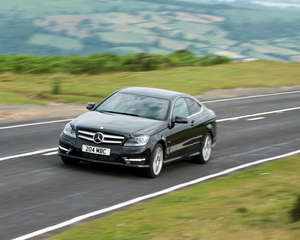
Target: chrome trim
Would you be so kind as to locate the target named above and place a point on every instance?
(86, 138)
(108, 141)
(171, 110)
(112, 136)
(105, 135)
(98, 138)
(68, 151)
(196, 113)
(62, 148)
(194, 154)
(107, 138)
(87, 133)
(172, 159)
(173, 103)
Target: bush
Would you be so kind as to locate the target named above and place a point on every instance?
(56, 86)
(182, 58)
(105, 62)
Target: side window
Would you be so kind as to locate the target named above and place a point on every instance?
(193, 106)
(180, 108)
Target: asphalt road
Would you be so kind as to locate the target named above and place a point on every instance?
(39, 191)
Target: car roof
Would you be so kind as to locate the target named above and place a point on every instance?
(153, 92)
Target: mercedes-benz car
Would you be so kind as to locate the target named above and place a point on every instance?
(140, 127)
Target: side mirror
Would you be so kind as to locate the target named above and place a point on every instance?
(179, 119)
(90, 106)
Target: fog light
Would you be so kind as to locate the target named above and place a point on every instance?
(129, 160)
(136, 159)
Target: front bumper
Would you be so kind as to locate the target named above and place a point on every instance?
(119, 155)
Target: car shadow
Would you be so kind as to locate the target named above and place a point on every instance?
(125, 172)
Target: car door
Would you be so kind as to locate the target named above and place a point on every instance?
(197, 124)
(179, 134)
(185, 139)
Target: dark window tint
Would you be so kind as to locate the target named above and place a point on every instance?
(180, 108)
(193, 106)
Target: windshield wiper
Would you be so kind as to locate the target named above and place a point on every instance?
(123, 113)
(130, 114)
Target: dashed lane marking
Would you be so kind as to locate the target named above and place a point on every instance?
(38, 123)
(28, 154)
(212, 101)
(254, 119)
(50, 153)
(258, 114)
(220, 120)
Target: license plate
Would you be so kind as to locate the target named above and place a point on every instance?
(96, 150)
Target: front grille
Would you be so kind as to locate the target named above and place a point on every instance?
(107, 138)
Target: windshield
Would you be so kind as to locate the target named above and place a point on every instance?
(136, 105)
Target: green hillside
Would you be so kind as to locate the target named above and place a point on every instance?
(80, 27)
(64, 87)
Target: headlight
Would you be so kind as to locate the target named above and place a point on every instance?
(141, 140)
(69, 131)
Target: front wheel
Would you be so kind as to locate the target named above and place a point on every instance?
(205, 149)
(70, 161)
(156, 162)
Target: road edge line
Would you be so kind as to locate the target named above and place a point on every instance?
(33, 124)
(138, 199)
(28, 154)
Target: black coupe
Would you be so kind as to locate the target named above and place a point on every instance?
(140, 127)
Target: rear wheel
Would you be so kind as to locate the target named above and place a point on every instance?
(205, 150)
(156, 162)
(70, 161)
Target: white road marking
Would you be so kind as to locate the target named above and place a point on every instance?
(255, 96)
(50, 153)
(254, 119)
(219, 120)
(28, 154)
(258, 114)
(153, 194)
(212, 101)
(33, 124)
(156, 194)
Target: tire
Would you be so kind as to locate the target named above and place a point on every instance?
(156, 162)
(205, 150)
(70, 161)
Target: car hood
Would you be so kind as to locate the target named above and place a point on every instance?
(117, 123)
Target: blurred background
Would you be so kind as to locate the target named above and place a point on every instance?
(243, 30)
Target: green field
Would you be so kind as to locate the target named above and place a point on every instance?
(39, 88)
(151, 26)
(255, 16)
(55, 41)
(255, 204)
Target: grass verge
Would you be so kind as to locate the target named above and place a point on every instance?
(254, 204)
(192, 80)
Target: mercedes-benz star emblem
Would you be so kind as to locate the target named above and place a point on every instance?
(98, 137)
